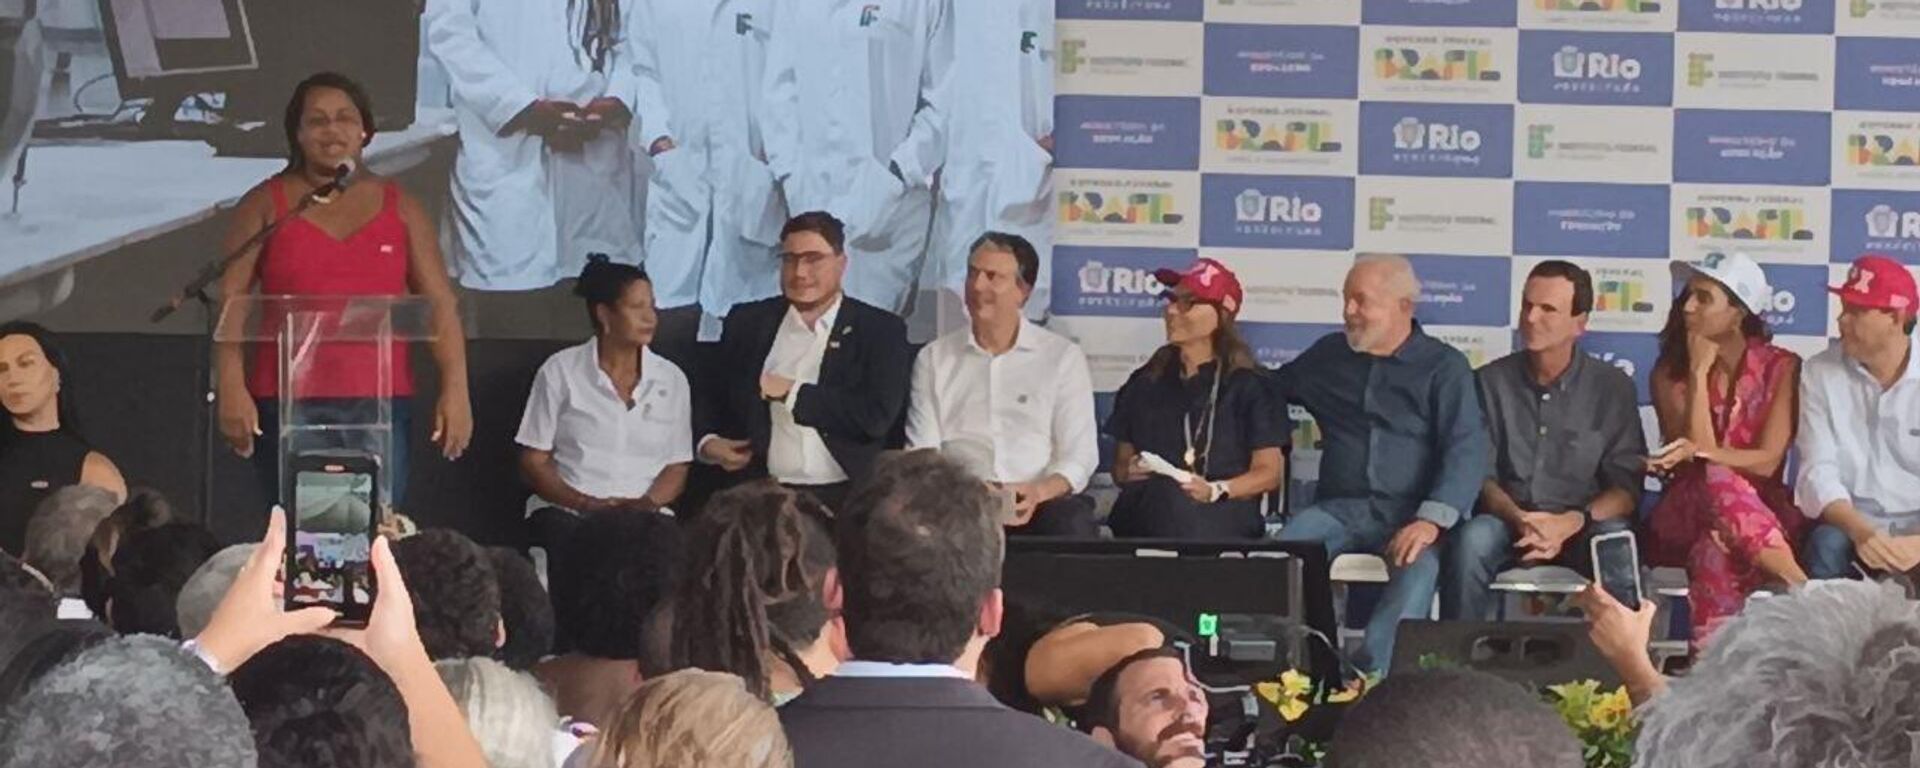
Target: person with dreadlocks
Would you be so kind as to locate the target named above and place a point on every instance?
(760, 596)
(544, 91)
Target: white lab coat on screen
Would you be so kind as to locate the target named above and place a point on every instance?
(713, 214)
(525, 216)
(998, 101)
(850, 90)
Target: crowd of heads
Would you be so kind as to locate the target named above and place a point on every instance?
(743, 601)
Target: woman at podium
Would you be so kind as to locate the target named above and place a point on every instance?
(41, 450)
(357, 234)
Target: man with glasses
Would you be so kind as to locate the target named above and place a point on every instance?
(811, 382)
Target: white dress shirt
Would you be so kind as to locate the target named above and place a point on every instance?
(1858, 441)
(795, 454)
(882, 669)
(1032, 404)
(602, 447)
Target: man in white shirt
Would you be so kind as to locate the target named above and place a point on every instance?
(1859, 436)
(1013, 393)
(813, 381)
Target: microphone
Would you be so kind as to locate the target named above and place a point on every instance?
(342, 177)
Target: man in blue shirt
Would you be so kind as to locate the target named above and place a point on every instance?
(1405, 444)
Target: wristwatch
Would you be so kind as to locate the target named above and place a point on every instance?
(1219, 490)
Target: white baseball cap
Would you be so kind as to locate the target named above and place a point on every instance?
(1735, 272)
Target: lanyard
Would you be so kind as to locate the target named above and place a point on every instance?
(1187, 431)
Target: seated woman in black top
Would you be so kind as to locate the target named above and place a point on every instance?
(1199, 405)
(41, 450)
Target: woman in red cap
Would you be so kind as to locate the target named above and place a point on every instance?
(1199, 438)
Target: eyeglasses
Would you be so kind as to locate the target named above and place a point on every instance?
(805, 259)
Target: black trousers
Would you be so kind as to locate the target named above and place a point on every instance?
(1157, 508)
(1067, 516)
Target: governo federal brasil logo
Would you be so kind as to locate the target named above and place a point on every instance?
(1599, 6)
(1435, 63)
(1721, 222)
(1876, 148)
(1249, 135)
(1118, 208)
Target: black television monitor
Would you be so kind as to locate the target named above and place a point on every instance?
(167, 48)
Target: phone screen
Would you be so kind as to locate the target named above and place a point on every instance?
(1616, 566)
(331, 561)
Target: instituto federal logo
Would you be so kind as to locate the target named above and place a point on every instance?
(868, 15)
(1070, 55)
(1435, 64)
(1411, 134)
(1254, 207)
(1782, 223)
(1379, 213)
(1699, 69)
(1123, 208)
(1539, 140)
(1249, 135)
(1074, 58)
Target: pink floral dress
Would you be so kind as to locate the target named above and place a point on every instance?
(1713, 520)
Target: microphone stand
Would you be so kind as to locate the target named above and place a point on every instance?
(196, 289)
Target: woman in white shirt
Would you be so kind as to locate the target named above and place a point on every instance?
(608, 425)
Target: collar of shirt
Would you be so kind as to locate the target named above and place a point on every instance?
(1411, 349)
(649, 370)
(1025, 340)
(881, 669)
(826, 320)
(1567, 377)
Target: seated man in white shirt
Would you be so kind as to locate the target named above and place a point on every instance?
(609, 423)
(1859, 434)
(1013, 391)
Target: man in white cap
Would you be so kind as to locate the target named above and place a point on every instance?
(1859, 435)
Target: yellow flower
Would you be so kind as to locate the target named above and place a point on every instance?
(1269, 691)
(1610, 710)
(1296, 684)
(1293, 709)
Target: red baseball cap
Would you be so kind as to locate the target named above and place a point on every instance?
(1207, 280)
(1877, 282)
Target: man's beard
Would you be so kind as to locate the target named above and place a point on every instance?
(1152, 753)
(1359, 339)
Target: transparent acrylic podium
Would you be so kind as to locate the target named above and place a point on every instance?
(334, 362)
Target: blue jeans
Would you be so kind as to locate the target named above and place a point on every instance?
(1828, 553)
(266, 447)
(1480, 547)
(1349, 526)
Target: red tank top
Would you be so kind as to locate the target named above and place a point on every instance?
(303, 259)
